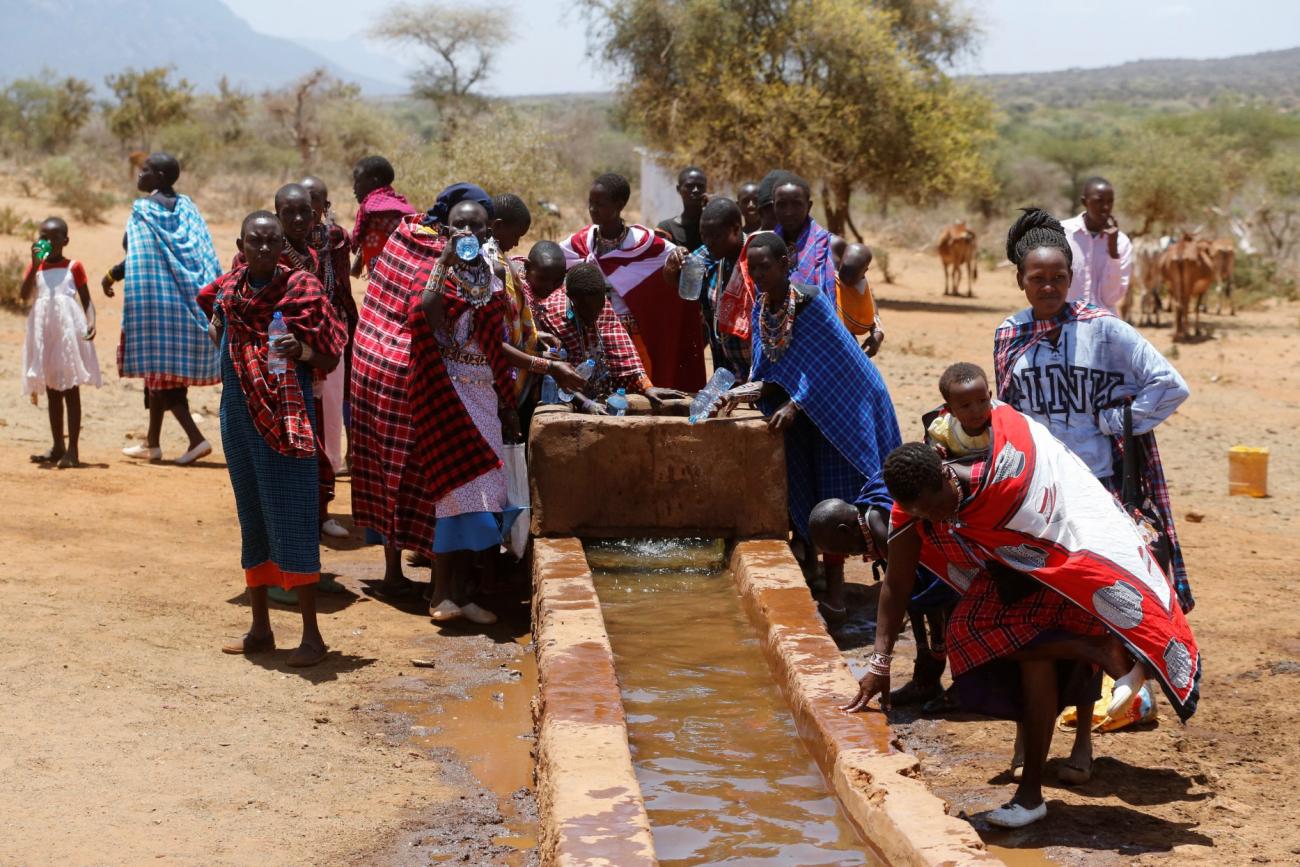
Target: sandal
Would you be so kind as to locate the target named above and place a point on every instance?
(1072, 774)
(1013, 815)
(403, 588)
(248, 645)
(305, 657)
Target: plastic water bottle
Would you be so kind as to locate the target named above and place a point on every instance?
(467, 248)
(617, 402)
(704, 402)
(275, 362)
(585, 370)
(550, 390)
(692, 280)
(42, 250)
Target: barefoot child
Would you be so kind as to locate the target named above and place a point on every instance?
(267, 425)
(58, 355)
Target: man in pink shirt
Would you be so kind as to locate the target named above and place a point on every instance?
(1103, 255)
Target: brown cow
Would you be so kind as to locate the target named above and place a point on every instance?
(1224, 252)
(136, 159)
(1146, 271)
(1187, 268)
(956, 248)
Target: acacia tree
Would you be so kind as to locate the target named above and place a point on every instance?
(146, 101)
(845, 91)
(297, 109)
(460, 44)
(46, 113)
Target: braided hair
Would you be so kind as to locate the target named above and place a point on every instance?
(911, 470)
(584, 279)
(1036, 228)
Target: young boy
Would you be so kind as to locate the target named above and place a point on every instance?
(266, 425)
(382, 209)
(964, 428)
(58, 355)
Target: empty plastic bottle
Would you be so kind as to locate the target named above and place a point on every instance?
(617, 402)
(692, 279)
(704, 402)
(550, 390)
(585, 370)
(277, 363)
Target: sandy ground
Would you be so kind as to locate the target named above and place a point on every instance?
(129, 738)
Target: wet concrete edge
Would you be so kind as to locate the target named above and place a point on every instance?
(591, 811)
(877, 785)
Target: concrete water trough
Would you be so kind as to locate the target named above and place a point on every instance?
(662, 477)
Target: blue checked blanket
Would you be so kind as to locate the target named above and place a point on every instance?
(846, 422)
(169, 258)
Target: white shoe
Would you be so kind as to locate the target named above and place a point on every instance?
(1125, 688)
(1015, 816)
(445, 610)
(202, 450)
(334, 529)
(475, 614)
(143, 452)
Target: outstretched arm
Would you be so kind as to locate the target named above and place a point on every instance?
(900, 576)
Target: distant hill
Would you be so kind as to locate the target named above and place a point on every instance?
(1271, 75)
(203, 39)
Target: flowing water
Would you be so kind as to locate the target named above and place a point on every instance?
(725, 777)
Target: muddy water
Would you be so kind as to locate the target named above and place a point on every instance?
(724, 774)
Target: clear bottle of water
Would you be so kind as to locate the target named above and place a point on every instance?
(617, 402)
(275, 362)
(550, 390)
(692, 280)
(585, 370)
(704, 402)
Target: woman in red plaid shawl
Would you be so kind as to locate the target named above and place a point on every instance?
(1057, 585)
(267, 425)
(463, 399)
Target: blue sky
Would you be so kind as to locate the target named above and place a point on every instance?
(549, 53)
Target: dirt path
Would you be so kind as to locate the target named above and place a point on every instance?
(129, 738)
(1217, 790)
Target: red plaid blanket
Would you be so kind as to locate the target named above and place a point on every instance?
(448, 447)
(276, 403)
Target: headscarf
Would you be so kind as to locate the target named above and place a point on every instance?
(453, 196)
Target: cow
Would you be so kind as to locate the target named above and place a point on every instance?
(1146, 261)
(1187, 268)
(1224, 253)
(957, 248)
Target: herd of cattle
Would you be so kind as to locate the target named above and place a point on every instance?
(1182, 269)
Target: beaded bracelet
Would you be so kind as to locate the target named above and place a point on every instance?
(878, 664)
(537, 364)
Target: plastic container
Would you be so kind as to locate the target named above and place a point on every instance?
(692, 280)
(550, 390)
(617, 402)
(42, 250)
(585, 370)
(1247, 471)
(275, 362)
(467, 248)
(704, 402)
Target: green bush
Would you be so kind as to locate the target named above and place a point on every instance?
(12, 268)
(1258, 277)
(70, 188)
(15, 224)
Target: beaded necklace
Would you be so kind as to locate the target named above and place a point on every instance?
(603, 246)
(593, 347)
(775, 330)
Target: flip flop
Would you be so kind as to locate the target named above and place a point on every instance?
(1015, 816)
(245, 646)
(1074, 775)
(307, 657)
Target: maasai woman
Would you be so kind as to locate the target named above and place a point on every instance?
(1057, 585)
(267, 425)
(462, 390)
(1072, 367)
(580, 316)
(810, 245)
(821, 393)
(665, 329)
(381, 210)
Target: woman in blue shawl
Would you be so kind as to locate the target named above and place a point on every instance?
(822, 393)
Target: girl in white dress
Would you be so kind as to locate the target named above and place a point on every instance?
(58, 355)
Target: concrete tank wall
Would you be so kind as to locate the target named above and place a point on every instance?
(653, 475)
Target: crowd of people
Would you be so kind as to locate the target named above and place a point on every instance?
(1030, 540)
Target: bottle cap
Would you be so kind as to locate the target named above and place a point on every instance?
(277, 315)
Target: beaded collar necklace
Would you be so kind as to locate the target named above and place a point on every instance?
(775, 330)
